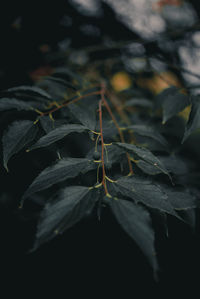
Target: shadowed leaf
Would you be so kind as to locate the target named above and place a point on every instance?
(194, 120)
(70, 206)
(58, 134)
(136, 222)
(18, 135)
(172, 102)
(144, 154)
(144, 191)
(11, 103)
(147, 131)
(62, 170)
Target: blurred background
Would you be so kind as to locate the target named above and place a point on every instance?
(34, 31)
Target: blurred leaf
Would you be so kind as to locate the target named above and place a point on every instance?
(172, 102)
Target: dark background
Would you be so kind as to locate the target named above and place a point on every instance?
(93, 257)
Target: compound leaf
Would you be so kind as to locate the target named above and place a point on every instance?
(18, 135)
(136, 222)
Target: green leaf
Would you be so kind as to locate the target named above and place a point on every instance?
(86, 116)
(194, 120)
(60, 81)
(136, 222)
(11, 103)
(174, 164)
(147, 168)
(18, 135)
(48, 124)
(181, 200)
(140, 102)
(58, 134)
(62, 170)
(145, 155)
(33, 90)
(147, 131)
(144, 191)
(64, 72)
(172, 102)
(71, 205)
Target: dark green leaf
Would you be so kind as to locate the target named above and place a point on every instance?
(60, 81)
(194, 120)
(34, 90)
(18, 135)
(86, 116)
(64, 72)
(48, 124)
(62, 170)
(145, 155)
(136, 222)
(148, 168)
(181, 200)
(172, 102)
(11, 103)
(58, 134)
(174, 164)
(139, 102)
(147, 131)
(72, 204)
(144, 191)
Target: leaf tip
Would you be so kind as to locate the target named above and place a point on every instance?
(6, 167)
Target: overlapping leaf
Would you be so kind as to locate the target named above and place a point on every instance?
(145, 155)
(86, 116)
(29, 90)
(18, 135)
(58, 134)
(148, 168)
(12, 103)
(48, 124)
(194, 120)
(180, 200)
(62, 170)
(148, 131)
(144, 191)
(136, 222)
(70, 206)
(172, 102)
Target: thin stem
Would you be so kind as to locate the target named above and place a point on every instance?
(102, 148)
(65, 104)
(121, 135)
